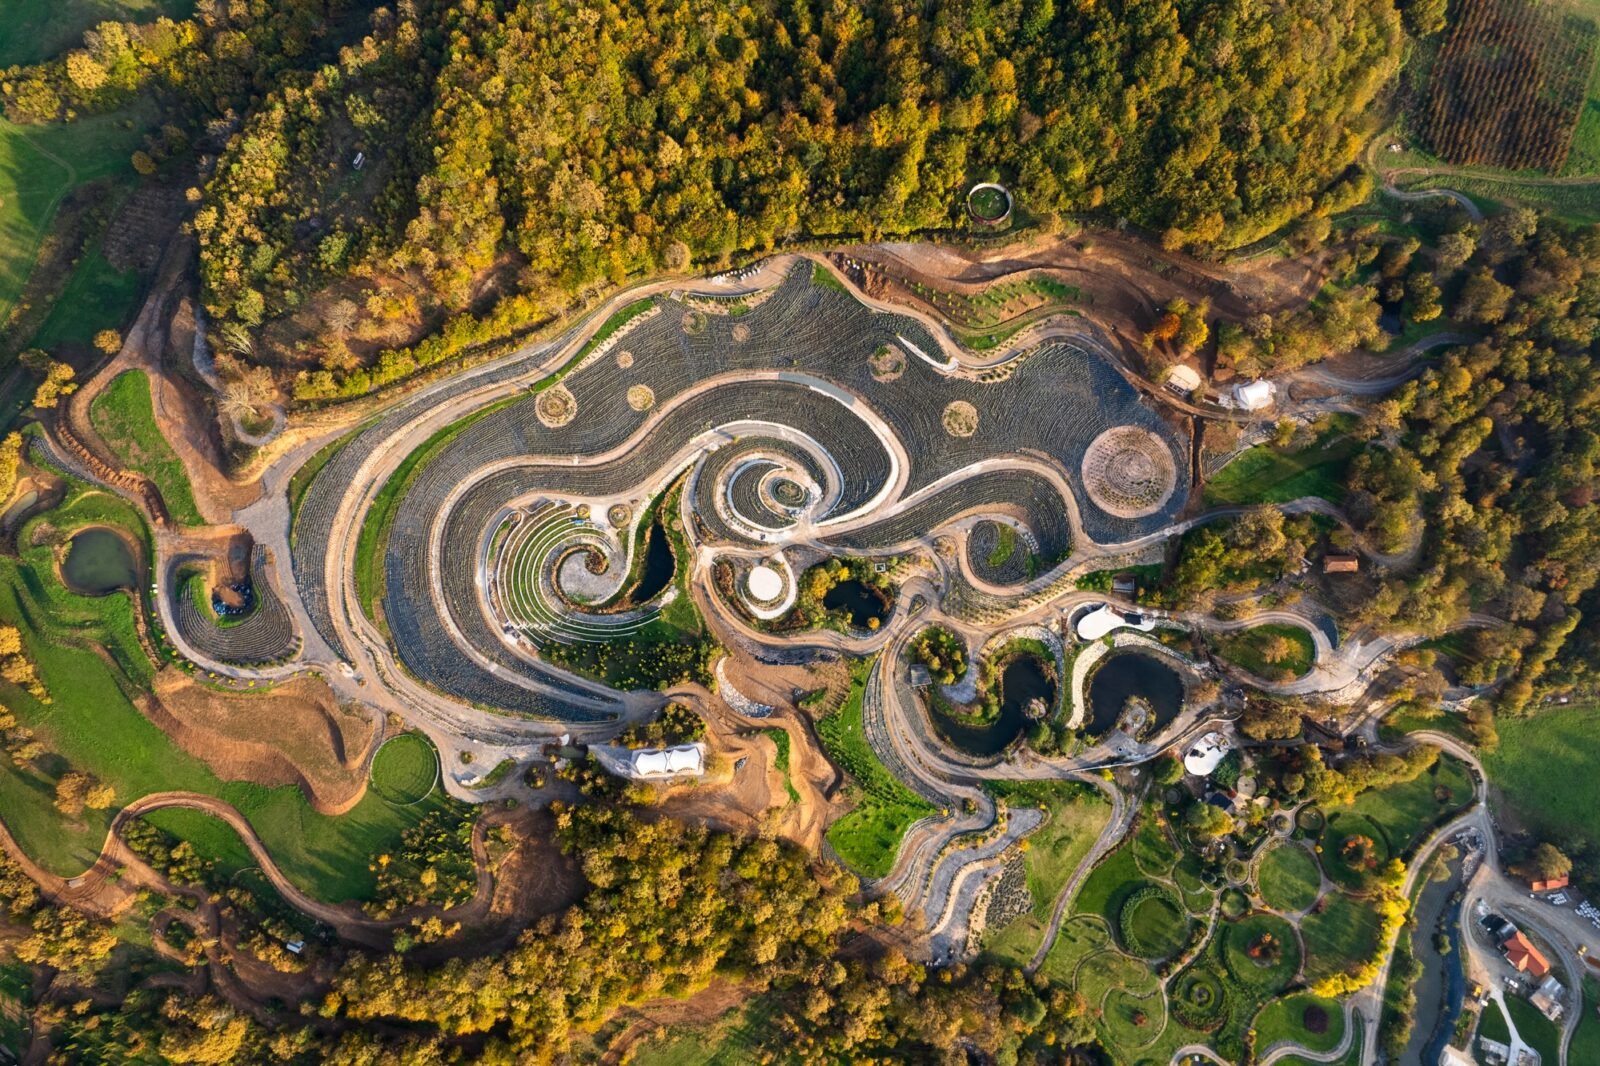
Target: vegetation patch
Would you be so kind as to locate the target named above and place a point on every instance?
(1152, 923)
(1340, 935)
(1272, 651)
(124, 416)
(1199, 998)
(867, 837)
(1268, 474)
(1287, 878)
(1544, 770)
(406, 769)
(1311, 1022)
(1261, 951)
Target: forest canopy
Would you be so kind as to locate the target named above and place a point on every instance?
(555, 146)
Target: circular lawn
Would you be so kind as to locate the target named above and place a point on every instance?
(405, 769)
(1288, 878)
(1153, 923)
(1354, 849)
(1262, 951)
(1199, 998)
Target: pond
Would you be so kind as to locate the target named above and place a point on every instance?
(1023, 680)
(99, 561)
(1132, 673)
(859, 600)
(658, 566)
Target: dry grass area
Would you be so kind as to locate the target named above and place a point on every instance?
(296, 734)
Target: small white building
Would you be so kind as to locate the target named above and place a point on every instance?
(1206, 754)
(1104, 618)
(669, 762)
(1254, 395)
(1183, 379)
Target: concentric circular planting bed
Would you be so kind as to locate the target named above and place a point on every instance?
(887, 363)
(556, 406)
(1152, 923)
(1199, 999)
(1129, 472)
(960, 419)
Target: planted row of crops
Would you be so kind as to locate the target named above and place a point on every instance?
(1509, 85)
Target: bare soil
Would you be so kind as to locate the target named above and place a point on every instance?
(295, 734)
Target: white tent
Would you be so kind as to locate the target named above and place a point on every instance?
(1254, 395)
(659, 762)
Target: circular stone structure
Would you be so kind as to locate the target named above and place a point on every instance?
(989, 203)
(765, 583)
(1129, 472)
(960, 419)
(555, 407)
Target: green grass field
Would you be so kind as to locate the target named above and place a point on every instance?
(1284, 1019)
(1276, 957)
(868, 835)
(1248, 649)
(1288, 878)
(124, 416)
(1345, 931)
(40, 164)
(1265, 474)
(405, 769)
(1401, 814)
(35, 30)
(1154, 926)
(1585, 1046)
(96, 297)
(1109, 884)
(1543, 770)
(1537, 1031)
(88, 653)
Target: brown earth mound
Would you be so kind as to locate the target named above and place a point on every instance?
(295, 734)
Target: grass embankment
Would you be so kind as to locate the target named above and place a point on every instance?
(96, 285)
(867, 837)
(89, 656)
(1537, 1031)
(1258, 650)
(124, 416)
(1075, 815)
(1544, 770)
(1267, 474)
(1585, 1046)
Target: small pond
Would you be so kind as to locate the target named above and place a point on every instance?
(99, 561)
(1132, 673)
(1023, 680)
(859, 600)
(658, 566)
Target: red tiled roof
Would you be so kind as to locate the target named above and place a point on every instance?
(1550, 885)
(1522, 955)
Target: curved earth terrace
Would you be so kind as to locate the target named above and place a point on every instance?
(787, 438)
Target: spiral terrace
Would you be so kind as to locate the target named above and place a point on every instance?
(786, 435)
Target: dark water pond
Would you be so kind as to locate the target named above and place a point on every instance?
(1133, 673)
(859, 600)
(1021, 682)
(658, 566)
(99, 561)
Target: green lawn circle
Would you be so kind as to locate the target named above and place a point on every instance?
(406, 769)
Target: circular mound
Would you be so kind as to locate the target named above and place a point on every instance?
(1153, 924)
(405, 769)
(1234, 903)
(624, 360)
(618, 515)
(1129, 472)
(694, 322)
(887, 363)
(1199, 999)
(765, 584)
(556, 406)
(641, 397)
(989, 203)
(1315, 1019)
(741, 333)
(960, 419)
